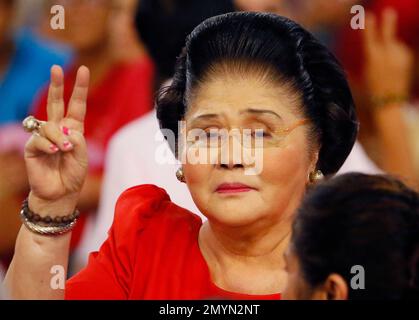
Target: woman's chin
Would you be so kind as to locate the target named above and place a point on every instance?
(235, 212)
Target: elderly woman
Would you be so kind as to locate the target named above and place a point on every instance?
(260, 75)
(355, 237)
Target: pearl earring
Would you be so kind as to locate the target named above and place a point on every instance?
(316, 176)
(180, 175)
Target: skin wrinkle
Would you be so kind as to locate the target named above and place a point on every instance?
(274, 139)
(232, 70)
(246, 233)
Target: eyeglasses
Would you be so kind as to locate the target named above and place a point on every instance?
(248, 138)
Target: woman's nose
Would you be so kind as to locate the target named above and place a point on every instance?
(230, 153)
(231, 166)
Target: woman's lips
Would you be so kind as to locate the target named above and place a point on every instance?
(233, 188)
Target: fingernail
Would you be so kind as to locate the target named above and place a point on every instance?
(54, 148)
(66, 131)
(67, 145)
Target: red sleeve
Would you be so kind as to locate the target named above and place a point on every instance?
(109, 272)
(142, 96)
(39, 108)
(136, 91)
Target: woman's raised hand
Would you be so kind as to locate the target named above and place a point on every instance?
(56, 156)
(389, 61)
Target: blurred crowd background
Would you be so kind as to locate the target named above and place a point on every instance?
(130, 47)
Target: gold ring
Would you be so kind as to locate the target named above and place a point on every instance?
(31, 124)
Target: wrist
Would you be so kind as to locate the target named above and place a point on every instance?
(389, 99)
(54, 208)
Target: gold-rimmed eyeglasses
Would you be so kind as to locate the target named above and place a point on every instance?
(249, 138)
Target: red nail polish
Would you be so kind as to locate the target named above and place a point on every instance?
(53, 148)
(66, 131)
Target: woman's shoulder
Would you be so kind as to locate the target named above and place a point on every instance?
(149, 207)
(147, 227)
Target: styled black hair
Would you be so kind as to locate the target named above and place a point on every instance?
(292, 53)
(164, 24)
(358, 219)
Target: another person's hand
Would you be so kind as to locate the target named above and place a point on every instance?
(389, 62)
(56, 158)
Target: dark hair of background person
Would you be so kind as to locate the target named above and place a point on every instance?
(358, 219)
(292, 54)
(164, 24)
(8, 2)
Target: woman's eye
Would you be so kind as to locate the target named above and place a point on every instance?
(261, 134)
(212, 134)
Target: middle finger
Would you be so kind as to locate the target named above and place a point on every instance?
(55, 104)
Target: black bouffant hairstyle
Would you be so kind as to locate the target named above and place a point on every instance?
(290, 52)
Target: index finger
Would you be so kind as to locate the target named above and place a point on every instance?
(77, 104)
(55, 100)
(370, 33)
(389, 25)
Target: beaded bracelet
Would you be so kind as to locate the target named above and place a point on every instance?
(47, 230)
(47, 225)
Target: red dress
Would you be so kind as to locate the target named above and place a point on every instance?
(152, 252)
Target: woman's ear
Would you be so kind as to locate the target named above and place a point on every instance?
(334, 288)
(314, 160)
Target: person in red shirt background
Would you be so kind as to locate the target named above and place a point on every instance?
(121, 84)
(381, 61)
(382, 65)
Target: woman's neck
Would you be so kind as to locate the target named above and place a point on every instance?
(246, 259)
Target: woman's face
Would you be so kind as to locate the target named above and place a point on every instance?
(333, 288)
(6, 19)
(297, 288)
(233, 191)
(87, 23)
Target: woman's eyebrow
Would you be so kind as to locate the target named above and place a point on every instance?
(206, 116)
(261, 111)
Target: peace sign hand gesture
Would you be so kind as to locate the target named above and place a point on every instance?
(56, 155)
(389, 62)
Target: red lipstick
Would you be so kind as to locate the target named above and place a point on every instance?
(234, 187)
